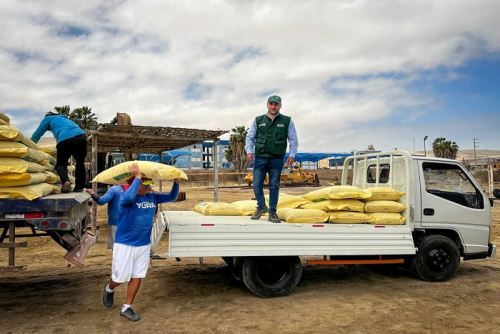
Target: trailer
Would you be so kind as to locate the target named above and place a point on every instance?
(63, 217)
(448, 218)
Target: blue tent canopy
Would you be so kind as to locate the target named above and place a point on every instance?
(315, 157)
(170, 156)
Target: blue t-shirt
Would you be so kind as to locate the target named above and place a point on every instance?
(61, 127)
(137, 213)
(112, 197)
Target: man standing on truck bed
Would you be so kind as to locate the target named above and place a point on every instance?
(268, 137)
(131, 250)
(71, 141)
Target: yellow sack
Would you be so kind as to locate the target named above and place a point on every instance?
(288, 201)
(49, 149)
(386, 218)
(13, 149)
(337, 205)
(51, 177)
(4, 119)
(246, 207)
(11, 133)
(385, 194)
(16, 165)
(30, 192)
(217, 209)
(21, 179)
(119, 174)
(302, 216)
(47, 165)
(384, 206)
(346, 217)
(337, 192)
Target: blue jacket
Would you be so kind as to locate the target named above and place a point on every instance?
(137, 213)
(112, 197)
(61, 127)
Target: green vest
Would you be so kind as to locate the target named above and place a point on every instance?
(271, 136)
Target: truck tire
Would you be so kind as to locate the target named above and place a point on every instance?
(271, 276)
(437, 259)
(496, 193)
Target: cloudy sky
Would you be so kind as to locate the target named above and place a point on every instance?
(351, 73)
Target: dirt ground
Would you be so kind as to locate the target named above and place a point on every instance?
(189, 297)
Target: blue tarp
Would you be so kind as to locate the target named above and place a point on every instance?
(168, 157)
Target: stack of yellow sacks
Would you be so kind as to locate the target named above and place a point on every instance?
(383, 208)
(245, 207)
(348, 205)
(26, 172)
(335, 204)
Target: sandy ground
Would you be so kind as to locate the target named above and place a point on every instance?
(189, 297)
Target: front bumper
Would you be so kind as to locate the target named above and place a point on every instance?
(492, 250)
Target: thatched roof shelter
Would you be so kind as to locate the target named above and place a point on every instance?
(155, 139)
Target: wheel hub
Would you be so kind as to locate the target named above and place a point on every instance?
(438, 260)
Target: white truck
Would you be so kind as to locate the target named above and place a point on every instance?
(448, 217)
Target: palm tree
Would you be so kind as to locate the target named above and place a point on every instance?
(443, 148)
(236, 151)
(63, 110)
(84, 117)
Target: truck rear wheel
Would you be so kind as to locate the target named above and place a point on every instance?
(272, 276)
(437, 259)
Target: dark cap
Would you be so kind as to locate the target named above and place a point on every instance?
(274, 98)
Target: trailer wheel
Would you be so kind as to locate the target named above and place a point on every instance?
(437, 259)
(271, 276)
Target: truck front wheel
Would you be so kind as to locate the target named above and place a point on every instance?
(437, 259)
(272, 276)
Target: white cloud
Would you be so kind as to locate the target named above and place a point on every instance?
(329, 60)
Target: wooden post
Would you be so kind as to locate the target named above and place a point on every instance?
(12, 240)
(216, 170)
(93, 221)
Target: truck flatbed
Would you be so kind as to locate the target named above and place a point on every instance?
(195, 235)
(55, 202)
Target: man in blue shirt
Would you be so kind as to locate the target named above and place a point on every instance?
(131, 250)
(112, 197)
(266, 144)
(71, 141)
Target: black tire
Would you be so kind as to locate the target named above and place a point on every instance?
(437, 259)
(228, 260)
(316, 179)
(496, 193)
(272, 276)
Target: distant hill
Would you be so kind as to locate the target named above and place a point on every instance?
(468, 154)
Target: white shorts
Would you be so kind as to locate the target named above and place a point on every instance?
(129, 262)
(111, 235)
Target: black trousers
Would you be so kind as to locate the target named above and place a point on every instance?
(76, 147)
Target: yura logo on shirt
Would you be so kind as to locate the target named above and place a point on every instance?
(262, 124)
(280, 125)
(145, 205)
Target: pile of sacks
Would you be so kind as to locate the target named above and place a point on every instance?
(26, 169)
(348, 205)
(335, 204)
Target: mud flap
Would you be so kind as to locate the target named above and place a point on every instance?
(77, 255)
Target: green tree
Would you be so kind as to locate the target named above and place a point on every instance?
(84, 117)
(235, 153)
(443, 148)
(63, 110)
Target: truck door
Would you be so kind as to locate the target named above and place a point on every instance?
(452, 200)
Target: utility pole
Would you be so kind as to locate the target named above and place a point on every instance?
(476, 144)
